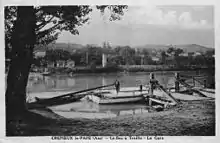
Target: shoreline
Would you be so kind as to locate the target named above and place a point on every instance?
(191, 118)
(109, 70)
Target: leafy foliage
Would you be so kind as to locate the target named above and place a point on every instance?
(116, 10)
(51, 20)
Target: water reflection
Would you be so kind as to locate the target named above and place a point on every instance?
(80, 82)
(85, 81)
(86, 109)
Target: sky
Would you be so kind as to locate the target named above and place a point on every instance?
(149, 24)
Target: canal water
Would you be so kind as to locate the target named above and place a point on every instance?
(87, 109)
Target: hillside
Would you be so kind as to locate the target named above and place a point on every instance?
(65, 46)
(193, 48)
(151, 47)
(186, 47)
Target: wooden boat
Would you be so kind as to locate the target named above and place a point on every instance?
(46, 73)
(126, 95)
(60, 101)
(63, 99)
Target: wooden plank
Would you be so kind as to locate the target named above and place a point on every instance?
(158, 101)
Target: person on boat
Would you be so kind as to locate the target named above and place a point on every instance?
(117, 86)
(141, 87)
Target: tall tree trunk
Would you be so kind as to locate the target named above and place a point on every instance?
(23, 40)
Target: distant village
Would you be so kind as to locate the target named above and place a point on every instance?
(79, 57)
(71, 56)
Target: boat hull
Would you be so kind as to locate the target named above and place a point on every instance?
(116, 100)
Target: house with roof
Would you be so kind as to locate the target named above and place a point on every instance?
(39, 53)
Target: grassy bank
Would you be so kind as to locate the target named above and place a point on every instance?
(192, 118)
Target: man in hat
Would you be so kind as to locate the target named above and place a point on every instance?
(117, 86)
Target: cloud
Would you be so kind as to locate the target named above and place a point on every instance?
(185, 20)
(171, 17)
(150, 15)
(203, 22)
(141, 25)
(156, 16)
(198, 8)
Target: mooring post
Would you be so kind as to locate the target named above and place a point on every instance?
(177, 85)
(194, 84)
(205, 83)
(150, 102)
(152, 80)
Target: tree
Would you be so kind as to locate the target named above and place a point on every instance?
(26, 26)
(94, 55)
(65, 56)
(147, 57)
(10, 16)
(177, 58)
(23, 39)
(163, 57)
(54, 55)
(175, 52)
(171, 50)
(190, 58)
(210, 53)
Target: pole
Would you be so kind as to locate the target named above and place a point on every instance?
(205, 85)
(194, 84)
(177, 77)
(174, 99)
(152, 79)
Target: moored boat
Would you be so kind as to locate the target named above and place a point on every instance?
(46, 73)
(126, 95)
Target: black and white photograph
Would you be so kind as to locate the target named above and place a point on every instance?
(109, 70)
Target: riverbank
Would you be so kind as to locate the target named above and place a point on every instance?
(130, 68)
(191, 118)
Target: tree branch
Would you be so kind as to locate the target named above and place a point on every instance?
(47, 31)
(44, 23)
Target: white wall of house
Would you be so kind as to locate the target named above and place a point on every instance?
(104, 60)
(40, 54)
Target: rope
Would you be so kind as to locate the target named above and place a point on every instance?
(163, 89)
(191, 87)
(195, 76)
(198, 81)
(184, 83)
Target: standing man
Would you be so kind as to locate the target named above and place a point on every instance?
(117, 86)
(141, 87)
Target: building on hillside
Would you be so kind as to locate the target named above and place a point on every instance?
(62, 64)
(51, 65)
(155, 59)
(184, 54)
(197, 54)
(190, 54)
(170, 61)
(70, 64)
(57, 64)
(105, 54)
(142, 59)
(39, 53)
